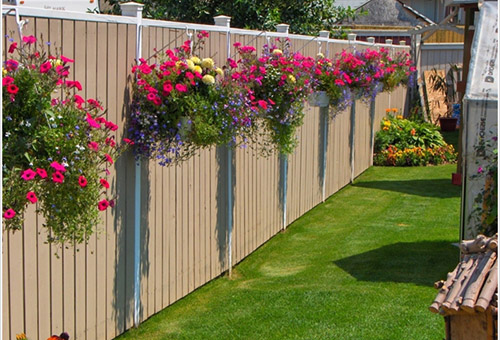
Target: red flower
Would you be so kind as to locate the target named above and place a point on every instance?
(108, 158)
(31, 196)
(103, 205)
(12, 89)
(41, 172)
(82, 181)
(12, 47)
(110, 141)
(57, 166)
(45, 67)
(78, 100)
(76, 83)
(128, 141)
(104, 183)
(8, 214)
(57, 177)
(94, 146)
(11, 65)
(262, 104)
(28, 175)
(92, 122)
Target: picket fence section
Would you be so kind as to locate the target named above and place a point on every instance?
(90, 291)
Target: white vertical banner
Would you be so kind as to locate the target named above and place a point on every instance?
(480, 118)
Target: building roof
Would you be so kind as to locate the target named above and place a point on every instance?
(392, 13)
(350, 3)
(472, 286)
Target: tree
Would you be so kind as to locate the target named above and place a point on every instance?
(304, 16)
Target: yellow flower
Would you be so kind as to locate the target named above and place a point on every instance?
(190, 64)
(208, 79)
(198, 69)
(207, 63)
(4, 71)
(21, 336)
(179, 64)
(329, 64)
(385, 128)
(291, 79)
(320, 55)
(277, 52)
(196, 60)
(387, 123)
(219, 71)
(399, 117)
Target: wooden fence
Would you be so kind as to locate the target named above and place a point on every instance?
(89, 291)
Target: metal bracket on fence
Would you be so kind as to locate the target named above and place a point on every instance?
(20, 23)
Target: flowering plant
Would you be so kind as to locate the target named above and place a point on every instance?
(277, 83)
(55, 152)
(485, 209)
(361, 74)
(402, 142)
(183, 102)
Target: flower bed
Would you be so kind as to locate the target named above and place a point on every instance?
(57, 146)
(402, 142)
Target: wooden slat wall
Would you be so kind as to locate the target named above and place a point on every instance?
(89, 291)
(435, 56)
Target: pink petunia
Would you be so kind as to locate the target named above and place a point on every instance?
(28, 175)
(108, 158)
(31, 196)
(76, 83)
(29, 39)
(78, 100)
(41, 172)
(8, 214)
(181, 87)
(128, 141)
(92, 122)
(6, 81)
(57, 166)
(110, 141)
(11, 65)
(67, 60)
(82, 181)
(103, 205)
(45, 67)
(12, 89)
(93, 146)
(262, 104)
(57, 177)
(104, 183)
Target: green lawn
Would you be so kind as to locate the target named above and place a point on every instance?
(360, 266)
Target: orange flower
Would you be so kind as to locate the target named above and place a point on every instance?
(387, 110)
(412, 132)
(394, 110)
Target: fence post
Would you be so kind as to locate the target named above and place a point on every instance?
(352, 41)
(283, 28)
(132, 9)
(225, 21)
(372, 128)
(323, 37)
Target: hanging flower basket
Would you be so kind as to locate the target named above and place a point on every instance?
(319, 99)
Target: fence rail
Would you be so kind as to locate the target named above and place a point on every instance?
(90, 291)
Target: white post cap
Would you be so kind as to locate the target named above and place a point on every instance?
(282, 28)
(371, 40)
(324, 34)
(222, 20)
(402, 42)
(131, 9)
(388, 41)
(351, 36)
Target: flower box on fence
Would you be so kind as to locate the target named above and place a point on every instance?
(319, 99)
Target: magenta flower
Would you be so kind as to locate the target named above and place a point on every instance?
(94, 146)
(58, 167)
(29, 39)
(92, 122)
(8, 214)
(6, 81)
(28, 175)
(108, 158)
(76, 83)
(82, 181)
(181, 87)
(262, 104)
(57, 177)
(67, 60)
(11, 65)
(31, 196)
(41, 172)
(45, 67)
(104, 183)
(103, 205)
(480, 170)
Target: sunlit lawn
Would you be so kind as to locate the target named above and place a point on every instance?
(360, 266)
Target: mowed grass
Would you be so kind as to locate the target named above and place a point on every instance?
(359, 266)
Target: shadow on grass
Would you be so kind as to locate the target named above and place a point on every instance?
(437, 188)
(421, 263)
